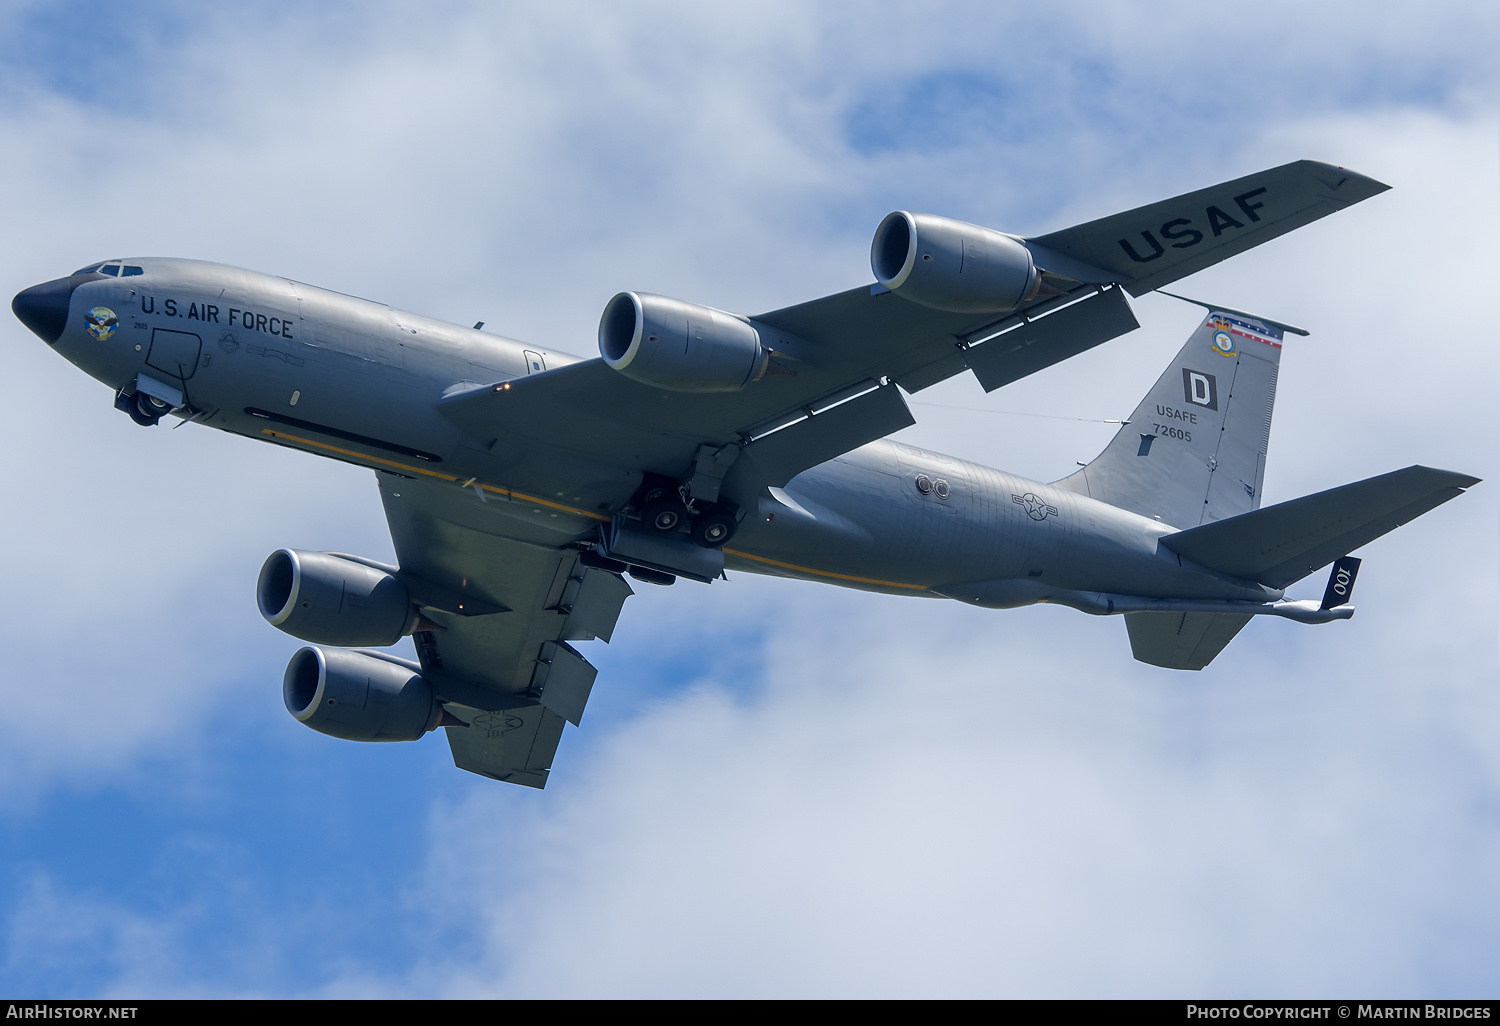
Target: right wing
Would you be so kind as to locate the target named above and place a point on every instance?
(500, 611)
(846, 353)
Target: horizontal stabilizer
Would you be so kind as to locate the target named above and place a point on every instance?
(1284, 543)
(1154, 245)
(1181, 641)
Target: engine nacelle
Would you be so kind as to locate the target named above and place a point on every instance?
(952, 265)
(329, 600)
(358, 697)
(680, 346)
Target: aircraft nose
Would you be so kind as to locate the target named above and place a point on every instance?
(44, 308)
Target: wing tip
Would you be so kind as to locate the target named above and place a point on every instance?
(1451, 478)
(1344, 184)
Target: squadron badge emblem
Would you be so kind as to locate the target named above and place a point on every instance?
(1223, 342)
(102, 322)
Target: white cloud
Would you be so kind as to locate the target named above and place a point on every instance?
(909, 797)
(924, 799)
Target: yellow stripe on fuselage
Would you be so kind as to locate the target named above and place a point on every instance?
(505, 492)
(824, 573)
(589, 514)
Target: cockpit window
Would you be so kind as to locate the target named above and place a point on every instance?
(129, 270)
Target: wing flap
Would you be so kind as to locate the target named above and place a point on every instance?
(822, 436)
(1033, 344)
(564, 680)
(592, 602)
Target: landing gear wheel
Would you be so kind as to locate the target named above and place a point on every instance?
(714, 528)
(665, 515)
(152, 406)
(145, 410)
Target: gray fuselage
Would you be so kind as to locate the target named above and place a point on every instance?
(304, 367)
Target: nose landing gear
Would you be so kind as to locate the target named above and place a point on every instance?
(145, 410)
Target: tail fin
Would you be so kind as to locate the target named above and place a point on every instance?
(1194, 450)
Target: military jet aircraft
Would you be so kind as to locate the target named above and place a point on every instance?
(523, 486)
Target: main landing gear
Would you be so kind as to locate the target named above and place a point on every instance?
(647, 541)
(714, 527)
(662, 507)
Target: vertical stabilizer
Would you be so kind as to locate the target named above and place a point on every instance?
(1194, 451)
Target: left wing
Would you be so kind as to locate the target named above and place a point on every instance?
(844, 355)
(500, 612)
(839, 360)
(1155, 245)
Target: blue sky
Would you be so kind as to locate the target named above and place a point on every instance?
(779, 789)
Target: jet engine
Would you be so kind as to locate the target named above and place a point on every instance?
(679, 346)
(358, 697)
(952, 265)
(330, 600)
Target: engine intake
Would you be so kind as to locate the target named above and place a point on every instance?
(358, 697)
(952, 265)
(330, 600)
(679, 346)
